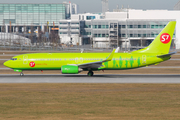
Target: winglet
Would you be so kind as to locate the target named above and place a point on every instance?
(117, 49)
(110, 56)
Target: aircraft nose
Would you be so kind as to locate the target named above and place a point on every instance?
(7, 63)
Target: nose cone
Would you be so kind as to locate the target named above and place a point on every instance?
(7, 63)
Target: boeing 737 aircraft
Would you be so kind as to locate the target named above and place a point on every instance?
(73, 63)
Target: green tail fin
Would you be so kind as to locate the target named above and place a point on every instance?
(162, 42)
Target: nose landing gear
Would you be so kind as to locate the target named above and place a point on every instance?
(90, 73)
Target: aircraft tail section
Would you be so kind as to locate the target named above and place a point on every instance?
(162, 42)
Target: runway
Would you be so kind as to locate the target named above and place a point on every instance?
(99, 78)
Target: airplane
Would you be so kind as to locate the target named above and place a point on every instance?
(74, 63)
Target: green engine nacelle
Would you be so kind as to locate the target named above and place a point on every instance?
(17, 70)
(69, 69)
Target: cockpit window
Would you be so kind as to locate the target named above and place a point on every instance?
(13, 58)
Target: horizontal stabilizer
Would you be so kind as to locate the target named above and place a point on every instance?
(169, 54)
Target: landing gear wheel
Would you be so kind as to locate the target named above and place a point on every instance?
(90, 73)
(21, 74)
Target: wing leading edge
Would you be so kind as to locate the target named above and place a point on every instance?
(96, 65)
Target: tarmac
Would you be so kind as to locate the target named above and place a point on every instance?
(99, 78)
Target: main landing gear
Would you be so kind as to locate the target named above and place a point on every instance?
(90, 73)
(21, 74)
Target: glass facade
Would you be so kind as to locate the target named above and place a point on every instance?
(130, 28)
(141, 29)
(90, 17)
(113, 33)
(31, 14)
(116, 29)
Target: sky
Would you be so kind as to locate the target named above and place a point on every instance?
(95, 5)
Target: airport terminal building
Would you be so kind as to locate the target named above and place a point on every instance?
(127, 28)
(15, 17)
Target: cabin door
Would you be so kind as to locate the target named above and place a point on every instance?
(144, 59)
(25, 59)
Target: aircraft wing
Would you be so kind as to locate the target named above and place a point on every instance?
(96, 64)
(91, 65)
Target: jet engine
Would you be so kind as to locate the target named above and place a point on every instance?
(70, 69)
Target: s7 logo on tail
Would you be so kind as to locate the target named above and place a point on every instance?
(165, 38)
